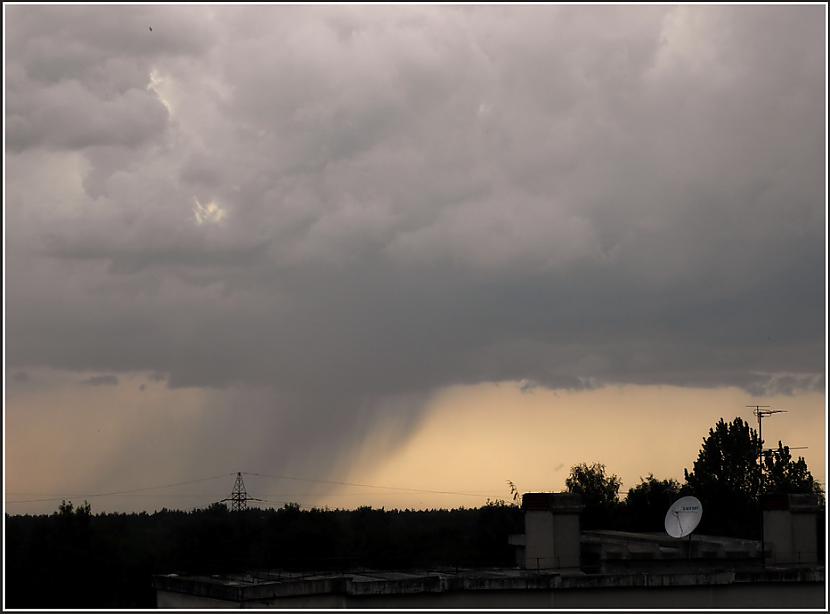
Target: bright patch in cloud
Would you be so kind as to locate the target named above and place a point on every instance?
(160, 86)
(208, 213)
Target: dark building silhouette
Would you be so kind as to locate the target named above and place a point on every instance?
(558, 565)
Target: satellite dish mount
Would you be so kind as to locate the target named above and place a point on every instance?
(682, 519)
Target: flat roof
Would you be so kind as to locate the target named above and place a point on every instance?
(263, 585)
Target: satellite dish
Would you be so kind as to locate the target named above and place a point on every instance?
(683, 516)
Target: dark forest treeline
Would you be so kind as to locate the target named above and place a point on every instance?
(75, 559)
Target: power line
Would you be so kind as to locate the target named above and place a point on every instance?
(125, 492)
(213, 495)
(142, 490)
(338, 494)
(341, 483)
(121, 495)
(141, 494)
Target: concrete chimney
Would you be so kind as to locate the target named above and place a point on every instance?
(790, 528)
(552, 531)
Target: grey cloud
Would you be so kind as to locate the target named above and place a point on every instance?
(78, 78)
(785, 383)
(126, 259)
(415, 197)
(101, 380)
(527, 386)
(67, 115)
(56, 43)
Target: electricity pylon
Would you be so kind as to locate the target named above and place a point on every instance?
(239, 496)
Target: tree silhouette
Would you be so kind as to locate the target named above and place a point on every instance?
(646, 503)
(600, 494)
(782, 474)
(726, 478)
(727, 462)
(122, 551)
(514, 490)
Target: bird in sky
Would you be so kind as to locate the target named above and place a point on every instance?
(151, 28)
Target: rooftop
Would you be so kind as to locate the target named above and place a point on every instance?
(267, 585)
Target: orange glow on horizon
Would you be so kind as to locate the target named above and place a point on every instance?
(475, 438)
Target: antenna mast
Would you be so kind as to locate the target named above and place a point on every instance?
(761, 412)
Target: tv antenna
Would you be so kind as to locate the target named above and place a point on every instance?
(239, 496)
(761, 412)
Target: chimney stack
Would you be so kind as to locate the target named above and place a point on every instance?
(552, 531)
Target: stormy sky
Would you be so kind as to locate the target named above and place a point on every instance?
(269, 237)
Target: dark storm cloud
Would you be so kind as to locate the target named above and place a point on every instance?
(69, 116)
(79, 76)
(101, 380)
(342, 205)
